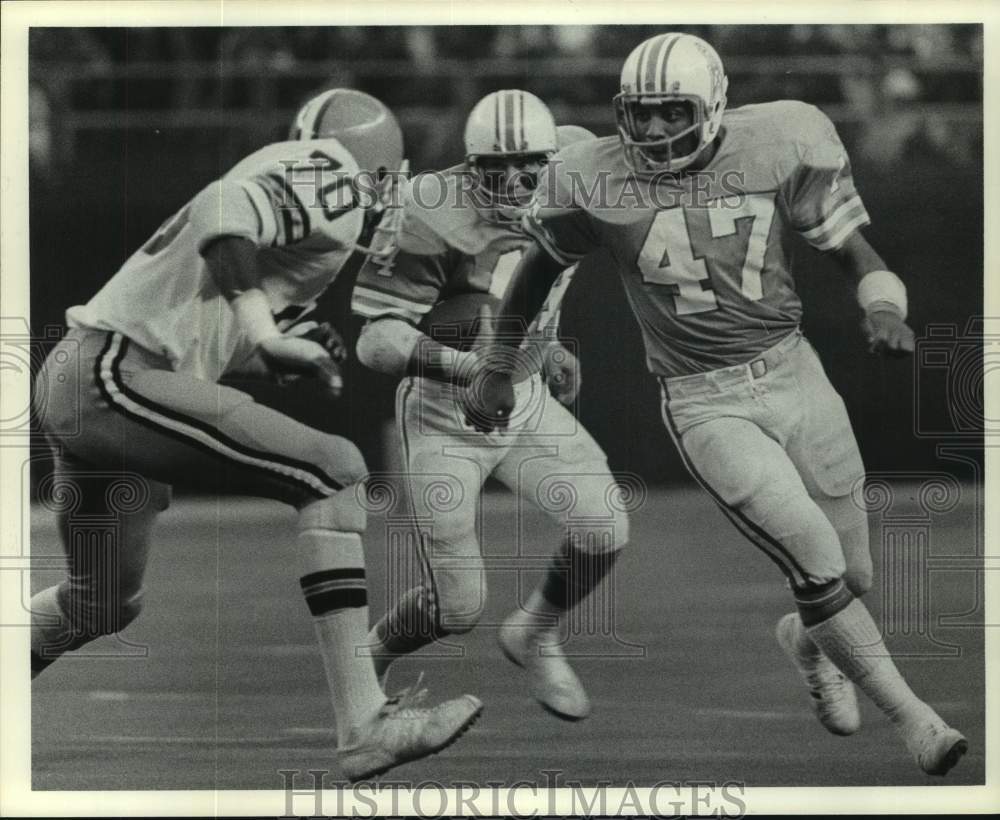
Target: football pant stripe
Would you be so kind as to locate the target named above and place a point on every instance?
(430, 584)
(753, 532)
(196, 433)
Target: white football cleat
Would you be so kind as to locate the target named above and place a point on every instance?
(935, 745)
(554, 684)
(833, 697)
(402, 731)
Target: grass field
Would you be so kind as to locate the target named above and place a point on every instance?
(688, 684)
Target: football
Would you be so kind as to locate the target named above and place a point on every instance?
(453, 321)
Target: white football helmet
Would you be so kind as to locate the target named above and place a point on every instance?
(507, 126)
(669, 68)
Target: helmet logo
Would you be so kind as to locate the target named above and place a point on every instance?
(675, 87)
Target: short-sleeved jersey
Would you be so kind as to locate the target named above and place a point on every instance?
(294, 200)
(447, 247)
(705, 257)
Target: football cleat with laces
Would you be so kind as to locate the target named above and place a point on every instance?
(833, 697)
(403, 730)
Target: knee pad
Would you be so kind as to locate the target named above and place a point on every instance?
(93, 614)
(344, 511)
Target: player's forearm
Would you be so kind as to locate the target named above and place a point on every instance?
(878, 288)
(526, 293)
(232, 264)
(396, 348)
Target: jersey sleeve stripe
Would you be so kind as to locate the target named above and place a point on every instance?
(538, 232)
(371, 303)
(844, 229)
(837, 213)
(265, 215)
(272, 197)
(301, 221)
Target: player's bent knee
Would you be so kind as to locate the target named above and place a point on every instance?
(459, 606)
(341, 458)
(344, 511)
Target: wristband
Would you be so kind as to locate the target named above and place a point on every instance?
(882, 290)
(253, 313)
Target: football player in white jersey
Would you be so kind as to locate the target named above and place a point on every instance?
(459, 243)
(702, 247)
(137, 374)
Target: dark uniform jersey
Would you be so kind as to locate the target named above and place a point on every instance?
(705, 256)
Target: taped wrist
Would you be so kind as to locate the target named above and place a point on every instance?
(882, 290)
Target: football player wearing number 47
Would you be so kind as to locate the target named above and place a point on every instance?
(460, 240)
(209, 293)
(703, 257)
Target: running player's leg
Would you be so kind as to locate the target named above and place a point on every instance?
(446, 469)
(756, 483)
(556, 465)
(103, 591)
(169, 427)
(826, 453)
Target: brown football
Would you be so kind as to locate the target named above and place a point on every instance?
(453, 320)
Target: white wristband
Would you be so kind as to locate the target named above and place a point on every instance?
(883, 290)
(253, 313)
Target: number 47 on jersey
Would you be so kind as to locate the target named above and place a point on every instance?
(668, 255)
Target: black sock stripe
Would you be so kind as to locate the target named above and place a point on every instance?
(785, 561)
(332, 575)
(334, 600)
(820, 603)
(330, 484)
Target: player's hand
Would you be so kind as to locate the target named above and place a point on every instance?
(292, 356)
(488, 398)
(887, 333)
(323, 333)
(561, 370)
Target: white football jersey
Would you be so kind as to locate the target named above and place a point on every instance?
(295, 200)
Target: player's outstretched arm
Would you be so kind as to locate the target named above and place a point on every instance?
(232, 263)
(526, 293)
(395, 347)
(881, 294)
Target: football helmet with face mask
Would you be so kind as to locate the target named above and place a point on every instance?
(509, 136)
(670, 68)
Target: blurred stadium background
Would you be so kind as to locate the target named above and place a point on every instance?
(126, 124)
